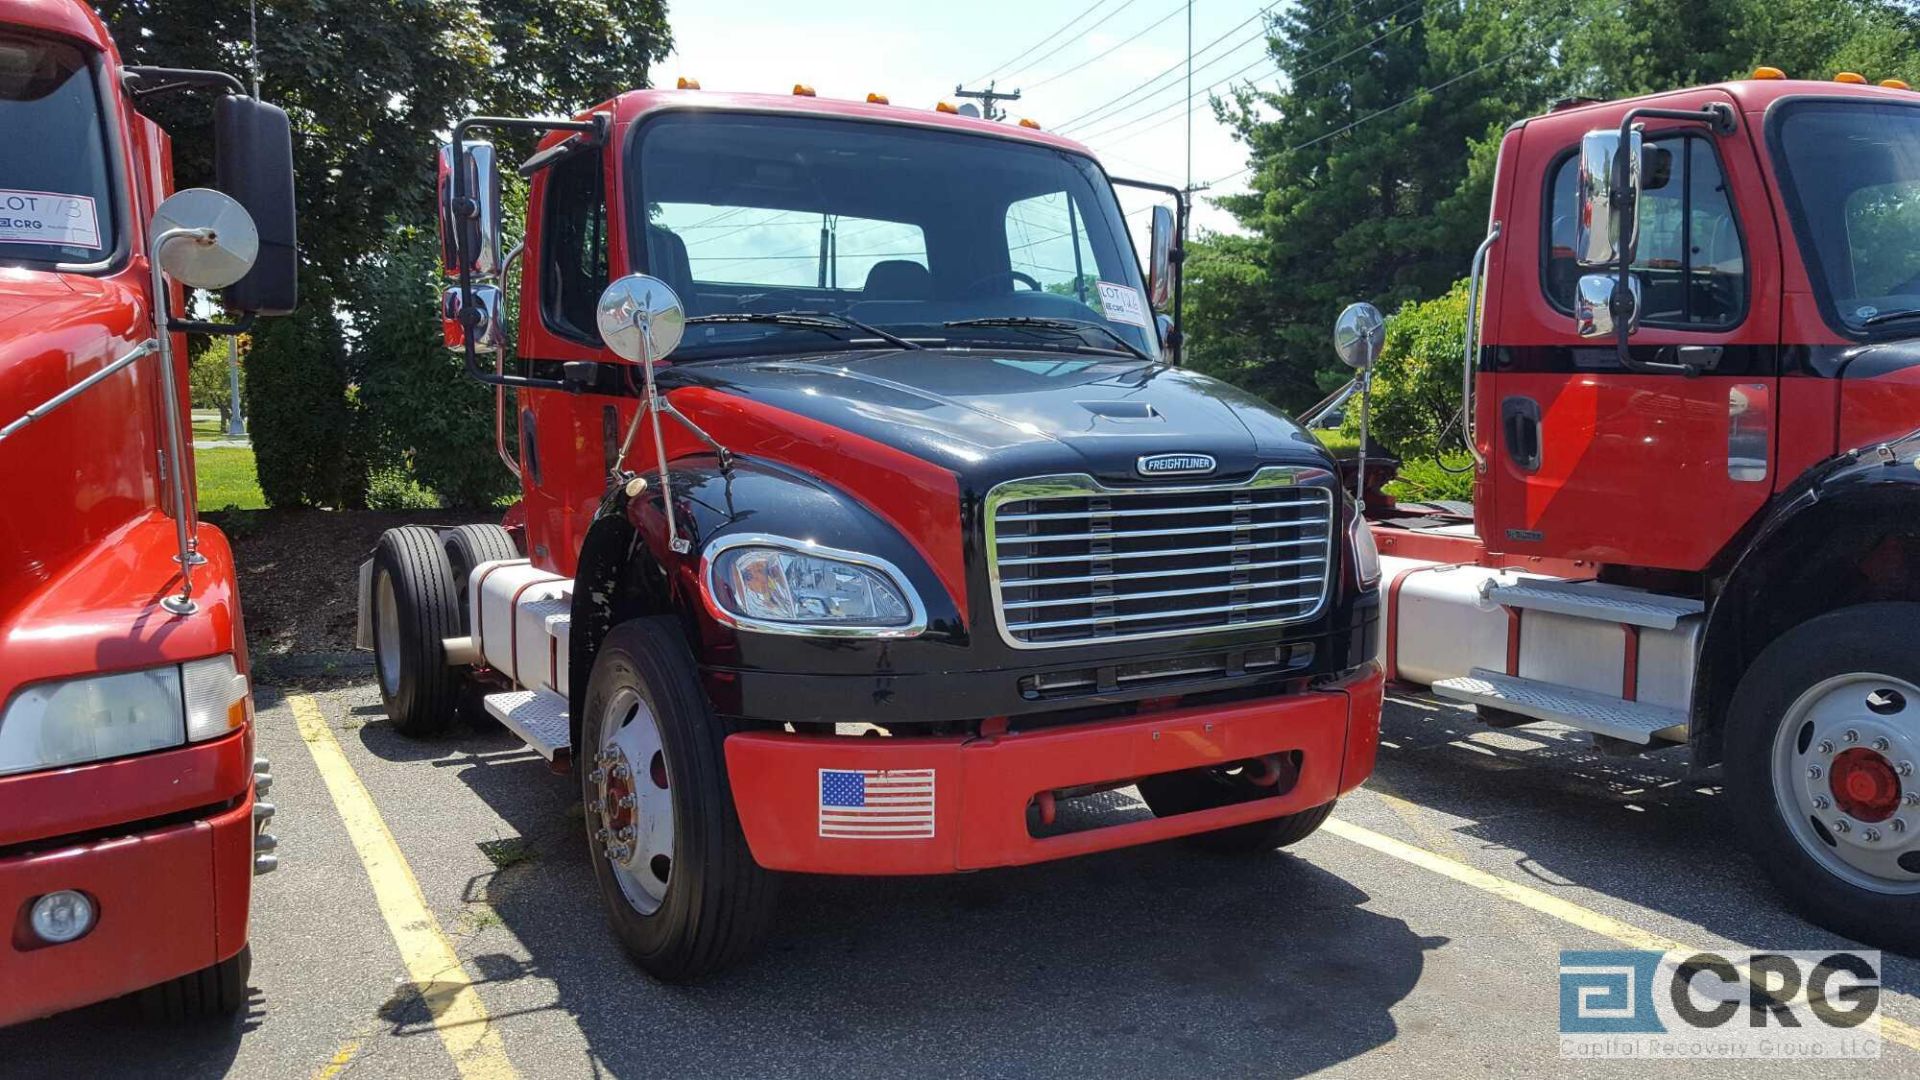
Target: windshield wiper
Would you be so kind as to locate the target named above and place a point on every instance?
(1070, 326)
(825, 321)
(1891, 316)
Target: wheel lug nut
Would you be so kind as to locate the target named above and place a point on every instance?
(1913, 798)
(1872, 835)
(1813, 771)
(1826, 746)
(1906, 768)
(1881, 745)
(1820, 802)
(1841, 826)
(626, 802)
(597, 776)
(1851, 736)
(1897, 825)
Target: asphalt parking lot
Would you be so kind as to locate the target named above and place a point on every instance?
(1419, 931)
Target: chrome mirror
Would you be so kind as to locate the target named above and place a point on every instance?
(640, 319)
(478, 229)
(1169, 333)
(1359, 334)
(489, 328)
(1160, 239)
(222, 246)
(1608, 219)
(1599, 310)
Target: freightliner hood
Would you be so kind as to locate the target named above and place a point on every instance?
(991, 415)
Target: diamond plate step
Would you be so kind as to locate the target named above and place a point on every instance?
(1630, 721)
(538, 716)
(1592, 600)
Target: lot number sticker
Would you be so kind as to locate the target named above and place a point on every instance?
(1121, 303)
(43, 217)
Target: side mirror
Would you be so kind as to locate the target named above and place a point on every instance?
(1169, 332)
(640, 319)
(1609, 214)
(224, 246)
(1600, 309)
(489, 328)
(477, 231)
(253, 162)
(1359, 335)
(1160, 242)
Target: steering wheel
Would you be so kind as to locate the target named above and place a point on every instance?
(980, 285)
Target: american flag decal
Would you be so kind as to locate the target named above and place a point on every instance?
(876, 804)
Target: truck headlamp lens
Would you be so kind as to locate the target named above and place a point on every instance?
(1366, 554)
(89, 719)
(808, 590)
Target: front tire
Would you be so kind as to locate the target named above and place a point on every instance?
(681, 888)
(415, 609)
(207, 994)
(1205, 789)
(1822, 744)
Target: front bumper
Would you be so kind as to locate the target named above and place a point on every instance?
(982, 787)
(168, 900)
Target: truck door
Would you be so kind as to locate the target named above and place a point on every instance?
(1586, 458)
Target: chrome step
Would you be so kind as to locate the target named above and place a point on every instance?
(1592, 600)
(1629, 721)
(538, 716)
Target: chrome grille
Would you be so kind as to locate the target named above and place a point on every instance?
(1076, 562)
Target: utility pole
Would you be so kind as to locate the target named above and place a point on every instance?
(987, 98)
(236, 425)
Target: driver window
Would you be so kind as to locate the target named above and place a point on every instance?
(1047, 241)
(1883, 239)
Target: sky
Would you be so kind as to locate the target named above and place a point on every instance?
(1080, 56)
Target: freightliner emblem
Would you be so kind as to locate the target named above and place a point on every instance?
(1175, 464)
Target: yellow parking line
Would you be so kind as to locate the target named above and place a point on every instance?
(442, 983)
(1893, 1031)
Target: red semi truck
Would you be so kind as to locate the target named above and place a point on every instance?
(866, 519)
(1694, 389)
(129, 827)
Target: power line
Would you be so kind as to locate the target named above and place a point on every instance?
(1291, 79)
(1114, 103)
(1115, 47)
(1036, 46)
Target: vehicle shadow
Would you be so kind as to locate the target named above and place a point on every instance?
(1154, 961)
(1648, 830)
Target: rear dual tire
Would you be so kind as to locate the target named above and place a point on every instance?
(419, 601)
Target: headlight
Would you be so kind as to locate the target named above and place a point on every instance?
(1366, 555)
(792, 587)
(73, 721)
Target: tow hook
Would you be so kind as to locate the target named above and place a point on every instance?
(264, 842)
(1274, 770)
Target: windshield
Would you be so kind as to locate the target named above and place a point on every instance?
(55, 205)
(901, 228)
(1852, 173)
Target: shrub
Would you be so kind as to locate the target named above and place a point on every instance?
(207, 374)
(1449, 478)
(426, 419)
(301, 418)
(1416, 381)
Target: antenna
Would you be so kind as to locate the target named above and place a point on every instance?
(987, 98)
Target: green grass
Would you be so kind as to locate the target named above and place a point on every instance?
(1337, 442)
(227, 479)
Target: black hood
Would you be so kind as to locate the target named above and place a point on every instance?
(990, 415)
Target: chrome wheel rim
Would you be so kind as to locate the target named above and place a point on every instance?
(386, 638)
(1839, 738)
(633, 801)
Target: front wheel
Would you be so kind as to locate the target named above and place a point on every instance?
(681, 888)
(1822, 741)
(1204, 789)
(207, 994)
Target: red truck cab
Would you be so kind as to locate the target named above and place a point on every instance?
(129, 827)
(1694, 391)
(868, 519)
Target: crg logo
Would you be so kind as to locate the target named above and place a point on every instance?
(1175, 464)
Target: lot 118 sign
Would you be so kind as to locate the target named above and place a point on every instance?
(1631, 1003)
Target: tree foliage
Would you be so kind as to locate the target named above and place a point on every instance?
(207, 375)
(1371, 165)
(296, 395)
(1416, 380)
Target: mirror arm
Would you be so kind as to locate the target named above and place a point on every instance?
(189, 326)
(135, 77)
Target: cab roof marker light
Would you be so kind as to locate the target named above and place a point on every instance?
(802, 90)
(1853, 77)
(946, 107)
(1768, 73)
(878, 99)
(1895, 84)
(1028, 122)
(684, 83)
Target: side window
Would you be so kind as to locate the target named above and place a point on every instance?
(1047, 241)
(1883, 240)
(573, 253)
(1690, 260)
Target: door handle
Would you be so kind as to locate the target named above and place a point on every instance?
(1520, 429)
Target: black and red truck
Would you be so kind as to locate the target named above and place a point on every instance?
(1693, 384)
(867, 516)
(130, 823)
